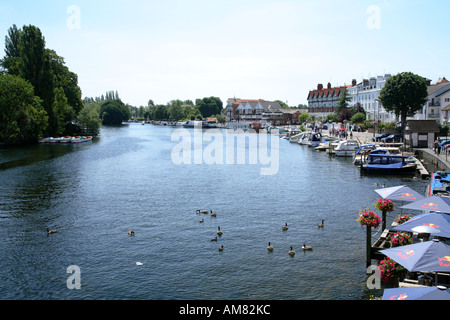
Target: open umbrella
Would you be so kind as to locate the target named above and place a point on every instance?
(429, 256)
(417, 293)
(433, 223)
(400, 193)
(434, 203)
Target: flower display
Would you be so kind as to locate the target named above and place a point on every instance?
(400, 239)
(402, 218)
(389, 269)
(368, 218)
(385, 205)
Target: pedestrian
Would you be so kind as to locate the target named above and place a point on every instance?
(436, 144)
(439, 149)
(351, 134)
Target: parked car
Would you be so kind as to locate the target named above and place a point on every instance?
(380, 136)
(393, 138)
(444, 143)
(325, 127)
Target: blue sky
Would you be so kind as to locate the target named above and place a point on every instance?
(255, 49)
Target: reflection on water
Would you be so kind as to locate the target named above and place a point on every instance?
(94, 193)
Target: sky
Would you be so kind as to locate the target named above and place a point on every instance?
(250, 49)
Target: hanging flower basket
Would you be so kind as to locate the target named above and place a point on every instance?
(390, 270)
(369, 218)
(402, 218)
(400, 239)
(385, 205)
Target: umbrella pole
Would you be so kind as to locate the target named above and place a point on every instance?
(384, 220)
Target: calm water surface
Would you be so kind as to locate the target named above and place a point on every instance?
(94, 193)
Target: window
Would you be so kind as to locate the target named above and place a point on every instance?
(447, 99)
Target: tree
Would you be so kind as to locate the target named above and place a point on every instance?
(358, 118)
(209, 106)
(89, 118)
(114, 112)
(343, 102)
(304, 117)
(405, 94)
(22, 118)
(282, 104)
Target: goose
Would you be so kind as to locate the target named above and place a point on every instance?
(52, 231)
(285, 227)
(130, 232)
(219, 232)
(213, 214)
(203, 220)
(321, 225)
(214, 239)
(202, 211)
(221, 249)
(305, 247)
(292, 252)
(270, 248)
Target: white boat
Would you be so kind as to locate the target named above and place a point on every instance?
(326, 143)
(346, 148)
(295, 138)
(315, 139)
(81, 140)
(304, 139)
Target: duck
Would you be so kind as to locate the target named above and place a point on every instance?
(270, 247)
(221, 249)
(130, 232)
(305, 247)
(321, 225)
(285, 227)
(214, 239)
(213, 214)
(202, 211)
(51, 231)
(219, 232)
(292, 252)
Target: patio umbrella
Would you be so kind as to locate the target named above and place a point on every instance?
(433, 223)
(400, 193)
(417, 293)
(430, 256)
(434, 203)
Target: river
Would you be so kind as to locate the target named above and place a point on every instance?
(126, 178)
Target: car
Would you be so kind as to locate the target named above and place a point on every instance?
(444, 143)
(393, 138)
(380, 136)
(325, 127)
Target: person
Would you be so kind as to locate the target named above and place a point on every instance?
(439, 149)
(436, 145)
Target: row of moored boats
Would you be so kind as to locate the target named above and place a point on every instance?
(68, 139)
(371, 157)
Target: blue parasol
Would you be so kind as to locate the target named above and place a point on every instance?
(429, 256)
(437, 223)
(417, 293)
(434, 203)
(400, 193)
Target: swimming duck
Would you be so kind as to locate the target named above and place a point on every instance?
(221, 249)
(203, 220)
(270, 247)
(202, 211)
(321, 225)
(219, 232)
(214, 239)
(305, 247)
(52, 231)
(130, 232)
(292, 252)
(285, 227)
(213, 214)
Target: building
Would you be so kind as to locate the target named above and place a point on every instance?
(421, 133)
(438, 103)
(366, 94)
(232, 104)
(323, 101)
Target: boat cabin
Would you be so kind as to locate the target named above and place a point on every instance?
(385, 159)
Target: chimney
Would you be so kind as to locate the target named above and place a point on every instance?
(320, 87)
(353, 82)
(329, 85)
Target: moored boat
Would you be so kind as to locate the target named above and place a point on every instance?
(81, 139)
(439, 184)
(388, 164)
(346, 148)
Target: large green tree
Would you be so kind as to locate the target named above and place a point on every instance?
(22, 118)
(209, 106)
(405, 94)
(27, 57)
(114, 112)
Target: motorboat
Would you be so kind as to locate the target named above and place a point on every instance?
(295, 138)
(388, 164)
(326, 143)
(439, 184)
(346, 148)
(303, 140)
(314, 139)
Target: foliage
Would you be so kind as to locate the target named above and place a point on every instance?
(405, 94)
(304, 117)
(22, 118)
(402, 218)
(389, 269)
(368, 218)
(358, 118)
(89, 118)
(385, 205)
(209, 106)
(114, 112)
(57, 87)
(400, 239)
